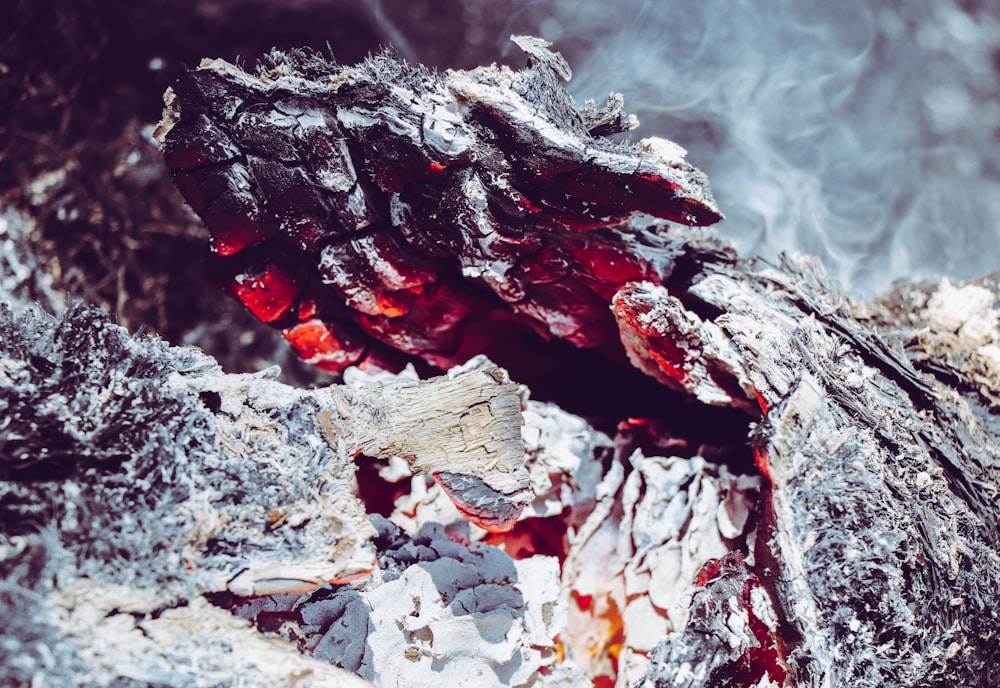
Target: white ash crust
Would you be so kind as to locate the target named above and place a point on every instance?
(445, 610)
(564, 460)
(196, 645)
(948, 328)
(640, 549)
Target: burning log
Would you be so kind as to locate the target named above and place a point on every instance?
(381, 205)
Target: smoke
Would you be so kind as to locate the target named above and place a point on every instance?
(864, 133)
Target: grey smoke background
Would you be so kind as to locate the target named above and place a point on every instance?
(866, 133)
(862, 132)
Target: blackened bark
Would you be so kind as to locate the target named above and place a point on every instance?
(377, 207)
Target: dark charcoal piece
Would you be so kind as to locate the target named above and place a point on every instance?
(382, 203)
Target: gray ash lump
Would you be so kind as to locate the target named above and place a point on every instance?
(378, 207)
(443, 609)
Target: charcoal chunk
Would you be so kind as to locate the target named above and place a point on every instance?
(466, 187)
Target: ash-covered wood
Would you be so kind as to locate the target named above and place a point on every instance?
(879, 540)
(231, 460)
(138, 476)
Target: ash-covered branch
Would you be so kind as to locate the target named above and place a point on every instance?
(201, 481)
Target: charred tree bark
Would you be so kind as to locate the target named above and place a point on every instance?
(879, 537)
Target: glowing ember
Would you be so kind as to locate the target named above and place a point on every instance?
(432, 211)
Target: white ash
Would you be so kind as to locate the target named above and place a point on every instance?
(444, 611)
(564, 460)
(968, 311)
(963, 328)
(196, 645)
(638, 552)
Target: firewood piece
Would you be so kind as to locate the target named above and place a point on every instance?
(240, 482)
(465, 428)
(390, 188)
(880, 540)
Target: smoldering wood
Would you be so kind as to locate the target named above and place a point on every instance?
(879, 535)
(352, 207)
(729, 637)
(877, 433)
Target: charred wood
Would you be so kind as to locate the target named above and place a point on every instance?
(383, 206)
(879, 538)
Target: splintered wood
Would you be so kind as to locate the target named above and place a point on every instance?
(464, 428)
